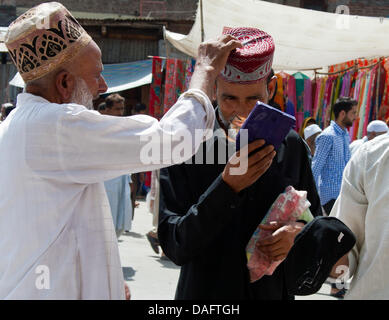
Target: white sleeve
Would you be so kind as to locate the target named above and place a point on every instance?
(351, 205)
(91, 147)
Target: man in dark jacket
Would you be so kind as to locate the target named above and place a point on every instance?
(208, 215)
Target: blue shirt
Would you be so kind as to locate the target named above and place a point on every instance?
(331, 156)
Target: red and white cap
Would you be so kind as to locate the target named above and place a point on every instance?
(254, 60)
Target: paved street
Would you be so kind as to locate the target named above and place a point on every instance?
(151, 278)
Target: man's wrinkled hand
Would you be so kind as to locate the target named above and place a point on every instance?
(211, 60)
(213, 54)
(278, 244)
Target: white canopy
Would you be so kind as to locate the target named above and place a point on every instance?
(305, 39)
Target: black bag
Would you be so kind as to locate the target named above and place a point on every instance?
(315, 251)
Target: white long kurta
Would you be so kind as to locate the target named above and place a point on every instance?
(363, 206)
(57, 236)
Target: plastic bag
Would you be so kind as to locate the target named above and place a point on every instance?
(291, 205)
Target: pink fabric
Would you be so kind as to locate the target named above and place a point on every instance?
(289, 206)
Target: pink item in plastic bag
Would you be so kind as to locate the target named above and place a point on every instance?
(289, 206)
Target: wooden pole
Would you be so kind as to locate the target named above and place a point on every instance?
(202, 20)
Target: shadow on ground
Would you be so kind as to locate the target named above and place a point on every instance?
(133, 234)
(166, 263)
(128, 273)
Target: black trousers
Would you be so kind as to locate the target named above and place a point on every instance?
(328, 206)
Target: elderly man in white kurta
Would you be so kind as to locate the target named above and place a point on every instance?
(363, 205)
(57, 236)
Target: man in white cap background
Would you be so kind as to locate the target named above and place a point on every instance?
(57, 236)
(310, 134)
(207, 215)
(374, 129)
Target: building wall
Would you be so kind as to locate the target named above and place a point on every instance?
(372, 8)
(186, 8)
(117, 50)
(7, 93)
(7, 14)
(182, 9)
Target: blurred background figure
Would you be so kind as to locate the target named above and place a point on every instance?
(114, 105)
(118, 189)
(140, 108)
(6, 109)
(153, 206)
(375, 128)
(119, 196)
(310, 134)
(307, 122)
(141, 180)
(102, 108)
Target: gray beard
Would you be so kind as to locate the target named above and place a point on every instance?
(81, 94)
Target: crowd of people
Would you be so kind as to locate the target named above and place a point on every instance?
(76, 172)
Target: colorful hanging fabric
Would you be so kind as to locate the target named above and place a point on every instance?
(373, 95)
(318, 85)
(363, 93)
(370, 100)
(299, 78)
(190, 65)
(385, 99)
(155, 98)
(174, 82)
(326, 100)
(335, 93)
(279, 96)
(308, 101)
(356, 88)
(381, 76)
(291, 100)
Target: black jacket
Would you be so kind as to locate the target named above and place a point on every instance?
(205, 227)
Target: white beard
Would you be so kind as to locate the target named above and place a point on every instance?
(81, 94)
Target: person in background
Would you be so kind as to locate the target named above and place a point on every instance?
(374, 129)
(333, 152)
(3, 110)
(102, 107)
(310, 134)
(139, 179)
(140, 108)
(272, 102)
(114, 105)
(119, 195)
(7, 111)
(153, 201)
(307, 122)
(118, 189)
(331, 157)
